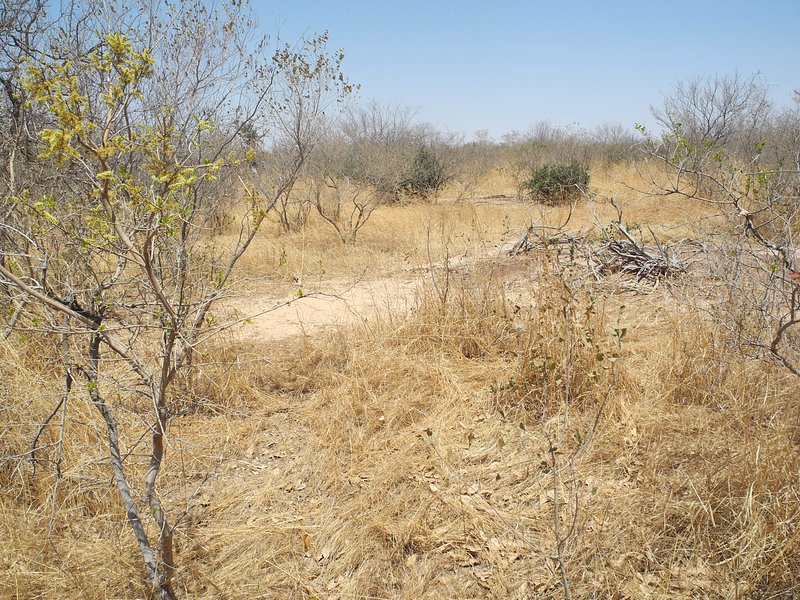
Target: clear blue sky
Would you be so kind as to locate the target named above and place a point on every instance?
(507, 64)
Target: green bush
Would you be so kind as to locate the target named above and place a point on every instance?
(426, 174)
(558, 182)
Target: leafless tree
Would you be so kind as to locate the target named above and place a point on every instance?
(613, 143)
(344, 185)
(722, 145)
(378, 141)
(300, 113)
(344, 203)
(717, 111)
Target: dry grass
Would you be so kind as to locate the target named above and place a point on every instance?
(397, 237)
(410, 457)
(409, 236)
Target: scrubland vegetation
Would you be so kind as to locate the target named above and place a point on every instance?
(593, 392)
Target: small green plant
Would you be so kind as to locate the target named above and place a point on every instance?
(558, 183)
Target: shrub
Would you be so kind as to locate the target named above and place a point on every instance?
(558, 183)
(425, 175)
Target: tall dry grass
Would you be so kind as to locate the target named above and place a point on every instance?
(416, 468)
(487, 444)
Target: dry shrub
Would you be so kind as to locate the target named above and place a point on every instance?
(396, 237)
(415, 485)
(566, 350)
(228, 376)
(722, 472)
(671, 216)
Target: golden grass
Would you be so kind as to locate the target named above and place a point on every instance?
(397, 237)
(410, 456)
(411, 235)
(408, 474)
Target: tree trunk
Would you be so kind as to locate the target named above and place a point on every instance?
(157, 576)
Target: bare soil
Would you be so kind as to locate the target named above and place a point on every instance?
(269, 314)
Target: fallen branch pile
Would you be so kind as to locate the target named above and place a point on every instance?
(612, 254)
(629, 256)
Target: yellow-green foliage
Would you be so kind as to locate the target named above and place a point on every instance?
(114, 72)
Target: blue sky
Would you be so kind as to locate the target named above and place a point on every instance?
(505, 65)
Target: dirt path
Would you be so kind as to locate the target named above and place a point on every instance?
(339, 302)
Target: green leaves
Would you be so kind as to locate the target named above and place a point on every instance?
(60, 88)
(426, 173)
(558, 182)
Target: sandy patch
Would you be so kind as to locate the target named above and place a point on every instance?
(341, 303)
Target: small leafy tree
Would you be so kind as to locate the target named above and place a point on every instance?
(558, 183)
(112, 259)
(426, 174)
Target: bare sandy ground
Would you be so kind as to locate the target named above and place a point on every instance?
(271, 316)
(337, 303)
